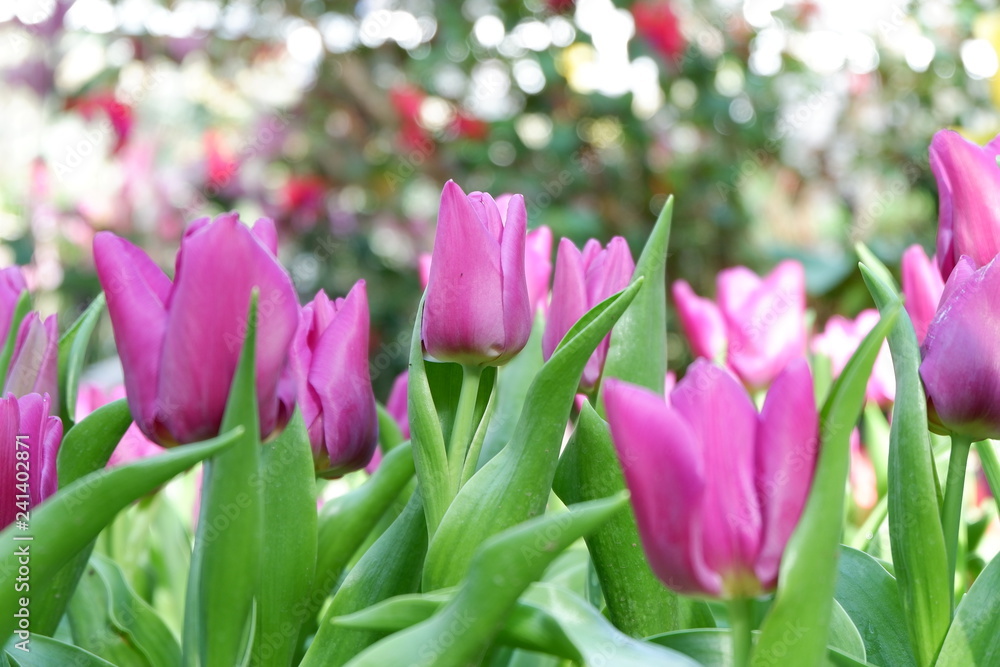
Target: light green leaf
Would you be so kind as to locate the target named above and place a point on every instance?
(72, 353)
(89, 444)
(45, 652)
(974, 637)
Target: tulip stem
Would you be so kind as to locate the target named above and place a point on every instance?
(461, 428)
(951, 513)
(740, 623)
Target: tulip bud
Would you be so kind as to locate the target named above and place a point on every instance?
(922, 288)
(329, 360)
(33, 366)
(180, 341)
(961, 359)
(968, 180)
(841, 338)
(717, 487)
(31, 437)
(756, 325)
(476, 309)
(583, 280)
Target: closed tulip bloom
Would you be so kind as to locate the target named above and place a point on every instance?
(968, 180)
(330, 363)
(34, 364)
(841, 338)
(922, 288)
(583, 280)
(717, 487)
(476, 309)
(756, 324)
(961, 359)
(11, 286)
(180, 341)
(27, 427)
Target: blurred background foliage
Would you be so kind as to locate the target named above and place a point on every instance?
(782, 128)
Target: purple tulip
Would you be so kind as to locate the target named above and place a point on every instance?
(476, 309)
(583, 280)
(757, 325)
(11, 286)
(330, 363)
(34, 364)
(717, 487)
(30, 442)
(961, 364)
(180, 341)
(841, 338)
(922, 288)
(968, 180)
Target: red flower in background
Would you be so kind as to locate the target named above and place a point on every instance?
(220, 163)
(406, 100)
(302, 200)
(118, 113)
(656, 22)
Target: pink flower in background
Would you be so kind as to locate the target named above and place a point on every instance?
(756, 325)
(864, 483)
(12, 285)
(28, 425)
(134, 445)
(583, 280)
(476, 309)
(657, 24)
(329, 360)
(841, 338)
(717, 487)
(968, 180)
(922, 289)
(180, 341)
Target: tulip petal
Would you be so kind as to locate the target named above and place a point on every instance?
(569, 296)
(922, 288)
(664, 468)
(701, 321)
(10, 427)
(33, 367)
(786, 451)
(517, 308)
(724, 420)
(11, 286)
(609, 272)
(267, 233)
(538, 265)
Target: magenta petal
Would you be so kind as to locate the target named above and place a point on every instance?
(136, 292)
(10, 428)
(701, 321)
(722, 417)
(961, 359)
(569, 296)
(786, 452)
(922, 288)
(36, 354)
(267, 233)
(517, 308)
(538, 265)
(662, 460)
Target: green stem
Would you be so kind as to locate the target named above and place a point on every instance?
(461, 428)
(866, 533)
(951, 513)
(476, 448)
(740, 623)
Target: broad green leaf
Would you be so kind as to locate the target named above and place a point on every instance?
(287, 483)
(714, 646)
(515, 484)
(808, 571)
(974, 636)
(21, 309)
(45, 652)
(72, 353)
(638, 603)
(844, 635)
(916, 535)
(109, 620)
(502, 568)
(390, 567)
(226, 559)
(869, 595)
(89, 444)
(69, 520)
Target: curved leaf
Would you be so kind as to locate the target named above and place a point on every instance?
(974, 637)
(72, 353)
(45, 652)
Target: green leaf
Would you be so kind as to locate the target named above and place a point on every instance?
(72, 354)
(869, 595)
(69, 520)
(638, 603)
(445, 381)
(804, 598)
(45, 652)
(974, 637)
(389, 435)
(89, 444)
(390, 567)
(916, 535)
(109, 620)
(714, 646)
(21, 309)
(501, 570)
(226, 559)
(287, 483)
(844, 635)
(515, 484)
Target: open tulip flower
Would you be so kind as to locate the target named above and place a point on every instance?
(717, 487)
(27, 427)
(179, 341)
(841, 338)
(756, 325)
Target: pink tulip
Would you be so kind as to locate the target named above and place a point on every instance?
(961, 359)
(583, 280)
(30, 441)
(968, 181)
(476, 309)
(717, 487)
(922, 288)
(841, 338)
(180, 341)
(329, 361)
(33, 366)
(11, 286)
(133, 445)
(756, 325)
